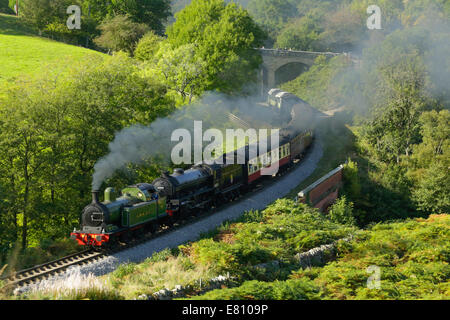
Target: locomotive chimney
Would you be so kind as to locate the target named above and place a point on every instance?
(95, 194)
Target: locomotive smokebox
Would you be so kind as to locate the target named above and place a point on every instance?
(95, 198)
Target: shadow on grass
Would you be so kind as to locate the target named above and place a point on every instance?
(14, 26)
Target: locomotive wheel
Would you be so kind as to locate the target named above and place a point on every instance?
(170, 221)
(194, 213)
(125, 237)
(138, 233)
(98, 248)
(153, 227)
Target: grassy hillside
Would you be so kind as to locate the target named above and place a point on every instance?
(23, 53)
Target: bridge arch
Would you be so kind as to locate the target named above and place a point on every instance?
(289, 72)
(274, 60)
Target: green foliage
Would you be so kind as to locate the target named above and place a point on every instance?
(432, 193)
(271, 14)
(121, 34)
(342, 212)
(147, 47)
(124, 270)
(352, 184)
(153, 13)
(435, 145)
(430, 160)
(52, 133)
(225, 36)
(301, 34)
(4, 7)
(283, 229)
(257, 290)
(252, 216)
(412, 257)
(40, 13)
(163, 255)
(181, 69)
(395, 127)
(325, 85)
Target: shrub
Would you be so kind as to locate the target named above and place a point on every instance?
(412, 257)
(163, 255)
(121, 34)
(257, 290)
(352, 185)
(276, 233)
(124, 270)
(342, 212)
(147, 46)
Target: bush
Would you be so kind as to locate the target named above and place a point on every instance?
(147, 46)
(123, 270)
(342, 212)
(352, 185)
(412, 257)
(276, 233)
(432, 194)
(121, 34)
(257, 290)
(163, 255)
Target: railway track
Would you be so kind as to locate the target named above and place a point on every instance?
(46, 270)
(53, 268)
(59, 266)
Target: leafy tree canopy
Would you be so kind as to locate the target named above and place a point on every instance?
(121, 34)
(154, 13)
(225, 36)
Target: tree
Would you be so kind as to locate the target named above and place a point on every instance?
(301, 34)
(40, 13)
(272, 15)
(53, 131)
(431, 163)
(148, 46)
(344, 30)
(4, 7)
(397, 102)
(21, 135)
(182, 70)
(121, 34)
(432, 194)
(153, 13)
(435, 132)
(225, 36)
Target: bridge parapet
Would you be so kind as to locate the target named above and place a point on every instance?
(294, 53)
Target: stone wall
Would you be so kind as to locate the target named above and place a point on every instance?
(312, 258)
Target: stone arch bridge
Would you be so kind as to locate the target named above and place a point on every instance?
(293, 63)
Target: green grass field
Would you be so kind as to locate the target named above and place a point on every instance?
(23, 53)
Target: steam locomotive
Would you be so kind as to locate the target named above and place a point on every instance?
(144, 206)
(171, 196)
